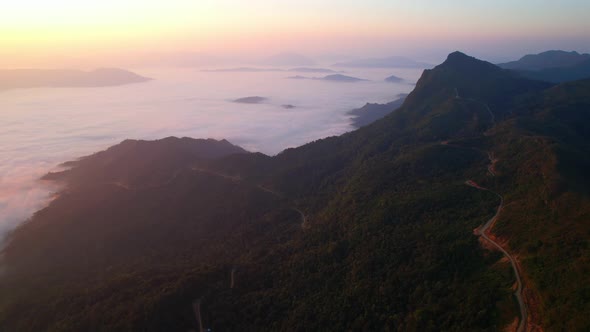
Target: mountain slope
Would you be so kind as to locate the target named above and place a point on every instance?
(370, 112)
(543, 170)
(371, 230)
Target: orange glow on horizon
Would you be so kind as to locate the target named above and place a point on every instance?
(42, 29)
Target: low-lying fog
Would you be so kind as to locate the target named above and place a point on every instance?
(40, 128)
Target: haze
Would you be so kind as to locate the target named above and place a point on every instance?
(72, 32)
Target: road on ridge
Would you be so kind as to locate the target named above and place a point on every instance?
(303, 217)
(492, 116)
(482, 231)
(485, 228)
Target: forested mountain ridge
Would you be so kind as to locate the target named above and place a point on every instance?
(371, 230)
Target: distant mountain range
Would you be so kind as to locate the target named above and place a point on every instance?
(37, 78)
(388, 62)
(552, 66)
(546, 60)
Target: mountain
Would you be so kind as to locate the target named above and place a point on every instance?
(394, 79)
(135, 157)
(389, 62)
(300, 77)
(341, 78)
(288, 59)
(546, 60)
(394, 226)
(250, 100)
(372, 112)
(37, 78)
(552, 66)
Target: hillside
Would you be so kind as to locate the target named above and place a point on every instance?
(560, 74)
(371, 230)
(372, 112)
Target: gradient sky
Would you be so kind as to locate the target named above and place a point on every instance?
(33, 31)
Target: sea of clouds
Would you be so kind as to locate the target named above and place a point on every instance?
(41, 128)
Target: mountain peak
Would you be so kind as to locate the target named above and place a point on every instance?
(470, 78)
(467, 66)
(459, 60)
(457, 56)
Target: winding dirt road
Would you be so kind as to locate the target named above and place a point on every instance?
(483, 232)
(197, 310)
(492, 115)
(492, 165)
(232, 278)
(303, 217)
(485, 229)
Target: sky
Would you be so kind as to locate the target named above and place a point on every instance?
(55, 32)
